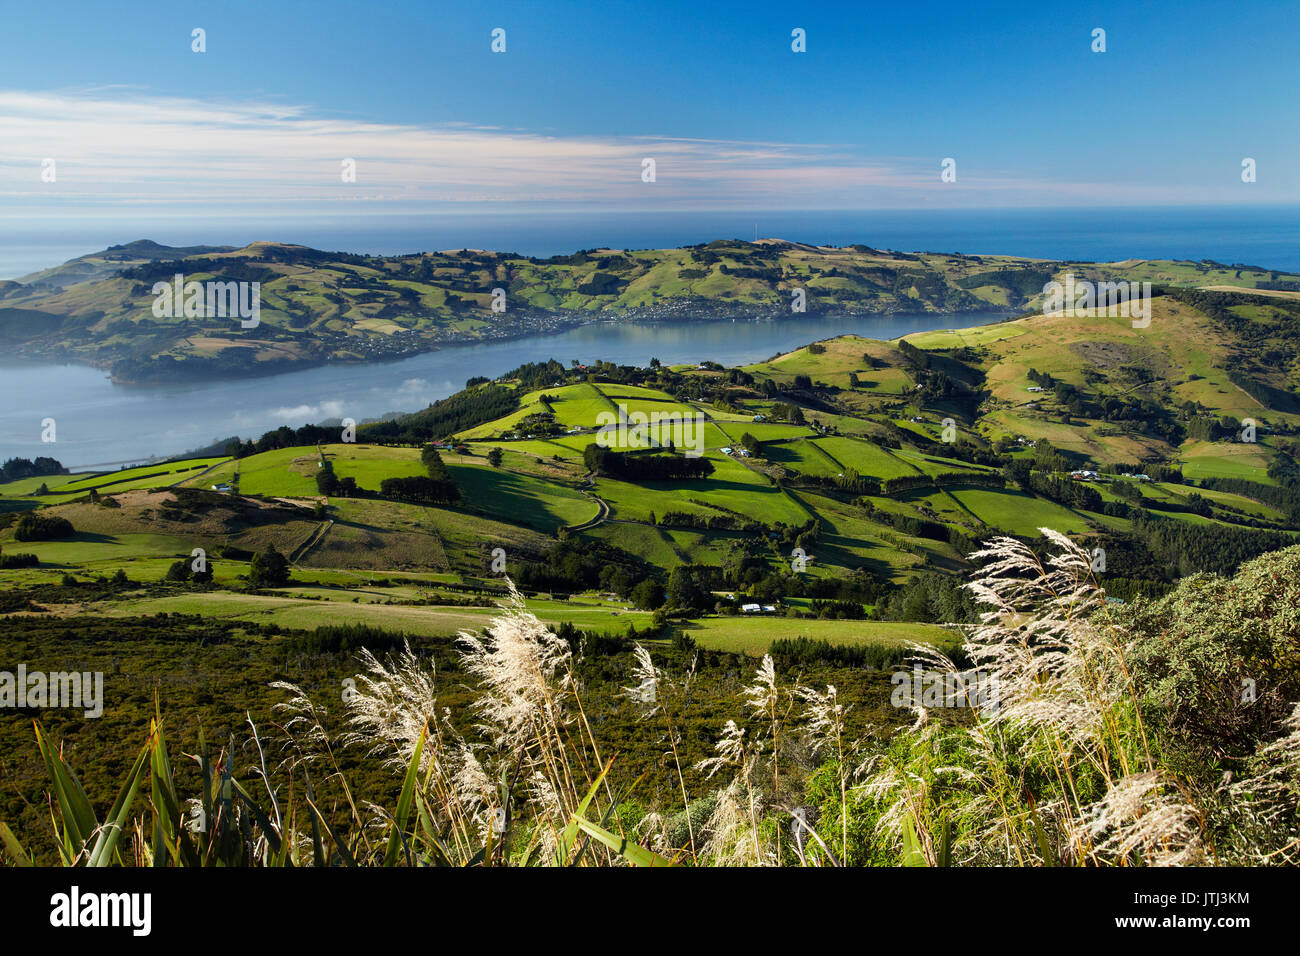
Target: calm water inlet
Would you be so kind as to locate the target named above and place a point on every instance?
(98, 423)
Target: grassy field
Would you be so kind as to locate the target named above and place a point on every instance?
(1200, 459)
(568, 448)
(523, 499)
(390, 534)
(291, 472)
(753, 635)
(656, 545)
(1248, 505)
(764, 431)
(146, 476)
(20, 495)
(1017, 512)
(850, 540)
(26, 487)
(832, 364)
(866, 458)
(630, 502)
(572, 405)
(332, 608)
(804, 456)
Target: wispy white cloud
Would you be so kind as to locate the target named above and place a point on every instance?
(126, 147)
(127, 150)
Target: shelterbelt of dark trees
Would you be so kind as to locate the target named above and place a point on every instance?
(18, 468)
(640, 466)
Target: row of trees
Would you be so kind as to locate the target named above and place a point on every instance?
(630, 466)
(16, 468)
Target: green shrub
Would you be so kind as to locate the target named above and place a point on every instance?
(38, 527)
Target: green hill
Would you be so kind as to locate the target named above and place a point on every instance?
(850, 470)
(324, 306)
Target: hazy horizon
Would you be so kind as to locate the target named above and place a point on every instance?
(1259, 235)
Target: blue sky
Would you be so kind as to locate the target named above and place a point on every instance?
(139, 125)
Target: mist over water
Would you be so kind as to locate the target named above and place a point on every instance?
(100, 423)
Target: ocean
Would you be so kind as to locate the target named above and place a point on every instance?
(1266, 236)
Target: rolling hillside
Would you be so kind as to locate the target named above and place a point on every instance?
(322, 306)
(1170, 448)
